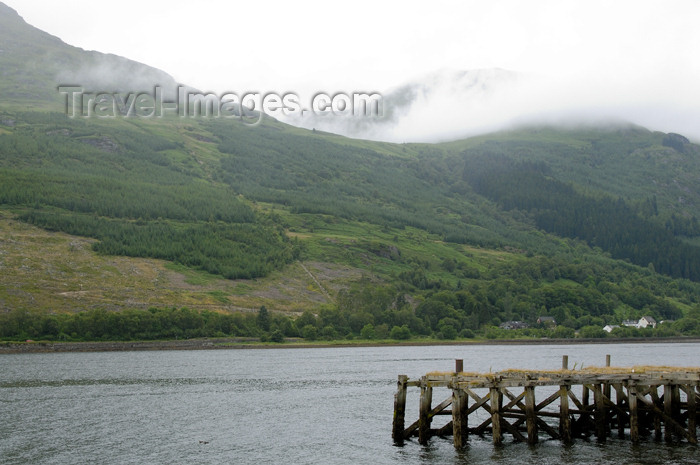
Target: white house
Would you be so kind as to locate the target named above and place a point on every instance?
(609, 328)
(646, 321)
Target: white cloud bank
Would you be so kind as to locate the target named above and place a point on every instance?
(632, 60)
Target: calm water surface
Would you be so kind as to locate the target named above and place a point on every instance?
(300, 406)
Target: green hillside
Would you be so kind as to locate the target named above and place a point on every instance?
(112, 226)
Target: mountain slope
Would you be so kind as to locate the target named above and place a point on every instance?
(35, 63)
(583, 224)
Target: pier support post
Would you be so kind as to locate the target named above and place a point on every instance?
(606, 386)
(460, 424)
(496, 404)
(399, 410)
(654, 392)
(564, 418)
(426, 399)
(634, 414)
(530, 415)
(565, 362)
(620, 408)
(676, 403)
(600, 412)
(668, 410)
(692, 414)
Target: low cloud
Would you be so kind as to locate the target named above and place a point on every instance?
(451, 104)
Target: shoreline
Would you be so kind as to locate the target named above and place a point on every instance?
(239, 344)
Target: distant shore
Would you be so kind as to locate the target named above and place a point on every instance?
(238, 343)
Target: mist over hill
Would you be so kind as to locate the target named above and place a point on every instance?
(35, 63)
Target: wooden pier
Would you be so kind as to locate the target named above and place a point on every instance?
(634, 402)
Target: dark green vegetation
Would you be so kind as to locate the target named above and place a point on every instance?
(588, 225)
(125, 191)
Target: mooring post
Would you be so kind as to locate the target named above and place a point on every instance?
(634, 414)
(607, 360)
(564, 418)
(399, 410)
(459, 365)
(426, 400)
(460, 406)
(496, 404)
(565, 362)
(530, 415)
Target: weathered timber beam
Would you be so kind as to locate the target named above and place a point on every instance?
(692, 412)
(600, 412)
(564, 413)
(634, 414)
(530, 415)
(575, 400)
(515, 400)
(482, 427)
(496, 419)
(460, 424)
(547, 401)
(513, 431)
(411, 430)
(654, 393)
(622, 413)
(551, 431)
(399, 409)
(445, 430)
(669, 421)
(440, 407)
(424, 418)
(480, 401)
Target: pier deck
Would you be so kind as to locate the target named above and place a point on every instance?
(634, 402)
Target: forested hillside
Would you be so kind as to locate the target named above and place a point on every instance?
(333, 237)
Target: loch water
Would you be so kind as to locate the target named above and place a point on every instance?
(280, 406)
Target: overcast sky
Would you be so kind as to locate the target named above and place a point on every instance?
(631, 54)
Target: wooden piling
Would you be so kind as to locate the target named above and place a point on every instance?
(459, 365)
(668, 410)
(606, 386)
(634, 413)
(656, 402)
(496, 403)
(460, 425)
(424, 419)
(564, 418)
(399, 410)
(620, 402)
(676, 401)
(600, 412)
(531, 415)
(692, 413)
(564, 362)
